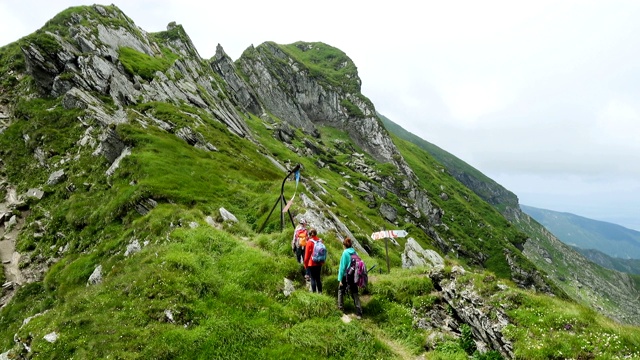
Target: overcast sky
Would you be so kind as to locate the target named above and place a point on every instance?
(542, 96)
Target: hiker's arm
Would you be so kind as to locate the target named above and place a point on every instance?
(342, 266)
(307, 252)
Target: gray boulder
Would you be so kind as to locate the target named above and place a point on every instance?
(388, 212)
(415, 256)
(132, 248)
(56, 177)
(35, 193)
(227, 216)
(288, 287)
(96, 276)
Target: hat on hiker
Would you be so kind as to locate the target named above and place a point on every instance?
(303, 221)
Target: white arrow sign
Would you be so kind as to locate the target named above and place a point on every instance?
(388, 234)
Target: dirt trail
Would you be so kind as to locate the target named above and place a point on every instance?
(397, 348)
(10, 258)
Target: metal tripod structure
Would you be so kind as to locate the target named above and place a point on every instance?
(282, 203)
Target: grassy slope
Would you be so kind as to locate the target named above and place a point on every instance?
(473, 224)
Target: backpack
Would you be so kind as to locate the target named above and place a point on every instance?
(357, 272)
(319, 251)
(301, 235)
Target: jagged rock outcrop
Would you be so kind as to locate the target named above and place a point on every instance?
(486, 321)
(526, 278)
(241, 93)
(81, 61)
(289, 90)
(324, 220)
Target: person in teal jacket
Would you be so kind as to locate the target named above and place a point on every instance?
(345, 261)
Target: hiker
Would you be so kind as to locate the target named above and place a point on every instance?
(299, 240)
(345, 282)
(315, 255)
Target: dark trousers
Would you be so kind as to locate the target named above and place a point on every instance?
(316, 283)
(353, 289)
(299, 254)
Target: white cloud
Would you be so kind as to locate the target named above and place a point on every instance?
(618, 123)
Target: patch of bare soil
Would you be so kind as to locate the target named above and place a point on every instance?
(10, 258)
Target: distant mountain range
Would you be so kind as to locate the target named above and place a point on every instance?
(607, 244)
(631, 266)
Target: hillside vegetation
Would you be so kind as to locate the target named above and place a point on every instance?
(128, 252)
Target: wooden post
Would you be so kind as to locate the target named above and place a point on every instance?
(386, 247)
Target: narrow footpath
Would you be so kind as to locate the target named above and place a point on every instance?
(10, 226)
(400, 350)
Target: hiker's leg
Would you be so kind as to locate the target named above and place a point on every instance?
(314, 281)
(300, 254)
(316, 284)
(356, 299)
(342, 291)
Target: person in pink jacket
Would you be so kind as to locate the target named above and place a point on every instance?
(314, 268)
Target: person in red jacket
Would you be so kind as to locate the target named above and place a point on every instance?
(314, 268)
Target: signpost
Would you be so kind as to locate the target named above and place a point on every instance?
(386, 235)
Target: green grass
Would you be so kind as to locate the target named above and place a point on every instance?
(137, 63)
(54, 133)
(326, 63)
(546, 328)
(225, 297)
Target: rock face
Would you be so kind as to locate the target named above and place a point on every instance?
(84, 61)
(486, 321)
(289, 90)
(415, 256)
